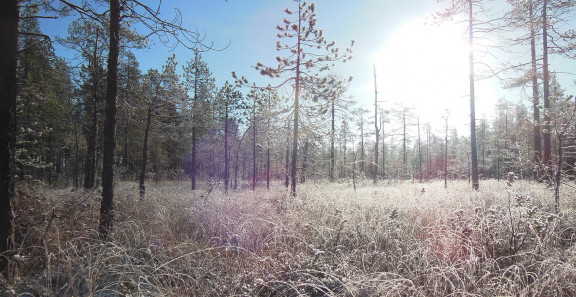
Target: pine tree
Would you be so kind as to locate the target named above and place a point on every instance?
(307, 54)
(199, 80)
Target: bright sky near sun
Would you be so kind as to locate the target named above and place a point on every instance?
(419, 65)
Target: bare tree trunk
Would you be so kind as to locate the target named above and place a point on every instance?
(145, 154)
(90, 167)
(107, 203)
(268, 167)
(428, 152)
(546, 159)
(92, 139)
(558, 175)
(287, 165)
(419, 150)
(384, 173)
(404, 161)
(305, 161)
(156, 165)
(474, 155)
(254, 147)
(268, 145)
(446, 156)
(332, 131)
(9, 21)
(293, 171)
(236, 164)
(193, 169)
(376, 129)
(361, 144)
(535, 93)
(226, 154)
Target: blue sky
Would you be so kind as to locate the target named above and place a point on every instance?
(420, 65)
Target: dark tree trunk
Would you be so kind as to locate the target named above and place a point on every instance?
(428, 153)
(193, 169)
(76, 152)
(145, 155)
(535, 93)
(268, 167)
(558, 175)
(376, 130)
(92, 137)
(9, 20)
(474, 155)
(287, 164)
(419, 151)
(107, 204)
(125, 153)
(404, 162)
(361, 143)
(90, 166)
(383, 147)
(305, 161)
(226, 154)
(546, 159)
(332, 157)
(254, 148)
(446, 156)
(268, 145)
(293, 171)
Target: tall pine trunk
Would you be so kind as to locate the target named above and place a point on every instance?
(193, 169)
(535, 94)
(376, 130)
(287, 161)
(332, 131)
(9, 20)
(226, 153)
(145, 155)
(254, 146)
(546, 158)
(92, 137)
(474, 153)
(107, 204)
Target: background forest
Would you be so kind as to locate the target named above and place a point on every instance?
(96, 120)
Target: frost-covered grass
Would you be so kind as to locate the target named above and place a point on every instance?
(394, 239)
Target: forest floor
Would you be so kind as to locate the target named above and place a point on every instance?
(394, 239)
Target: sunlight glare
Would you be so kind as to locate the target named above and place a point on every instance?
(425, 67)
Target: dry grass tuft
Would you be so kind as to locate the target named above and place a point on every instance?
(391, 240)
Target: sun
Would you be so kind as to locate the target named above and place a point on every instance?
(426, 67)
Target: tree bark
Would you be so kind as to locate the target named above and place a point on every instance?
(332, 131)
(446, 155)
(535, 94)
(376, 130)
(92, 137)
(193, 169)
(546, 158)
(145, 154)
(125, 153)
(254, 145)
(419, 151)
(287, 161)
(9, 20)
(296, 107)
(474, 153)
(107, 204)
(226, 154)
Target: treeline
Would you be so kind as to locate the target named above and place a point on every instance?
(175, 123)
